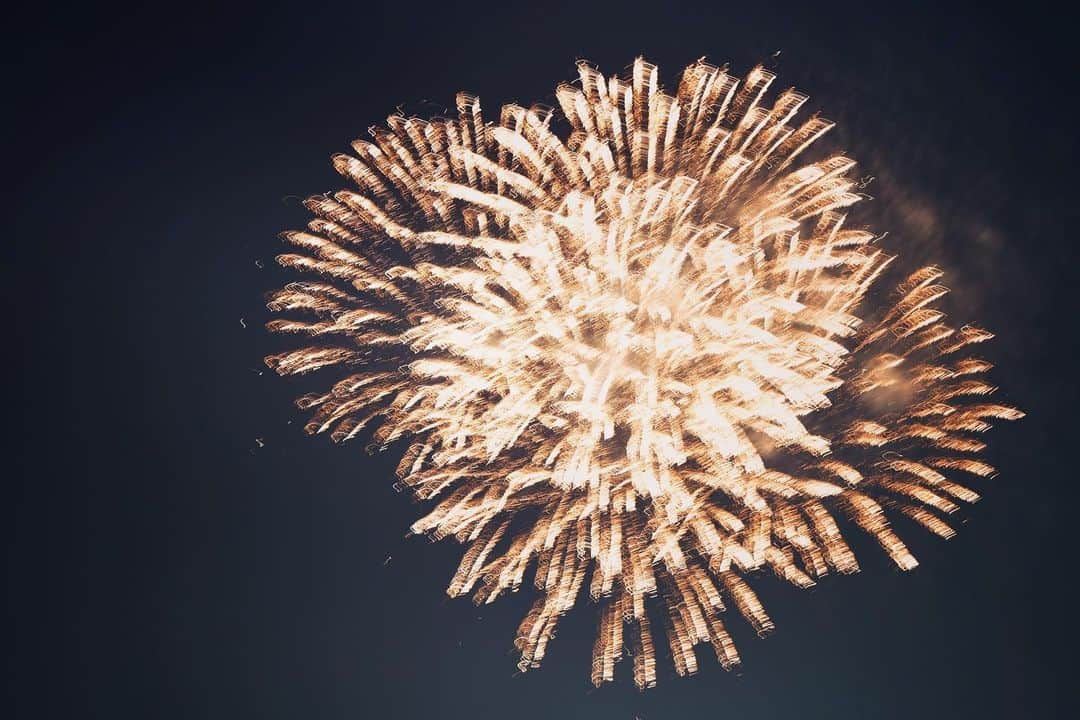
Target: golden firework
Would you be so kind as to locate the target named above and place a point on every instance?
(641, 355)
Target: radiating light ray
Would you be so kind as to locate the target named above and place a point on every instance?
(634, 359)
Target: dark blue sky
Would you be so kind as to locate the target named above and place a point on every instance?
(161, 564)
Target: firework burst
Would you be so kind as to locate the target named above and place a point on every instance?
(640, 356)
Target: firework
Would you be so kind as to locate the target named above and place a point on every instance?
(643, 355)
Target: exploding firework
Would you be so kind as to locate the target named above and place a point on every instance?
(643, 355)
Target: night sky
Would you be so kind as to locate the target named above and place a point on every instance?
(176, 547)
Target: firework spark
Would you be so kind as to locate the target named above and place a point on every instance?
(642, 355)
